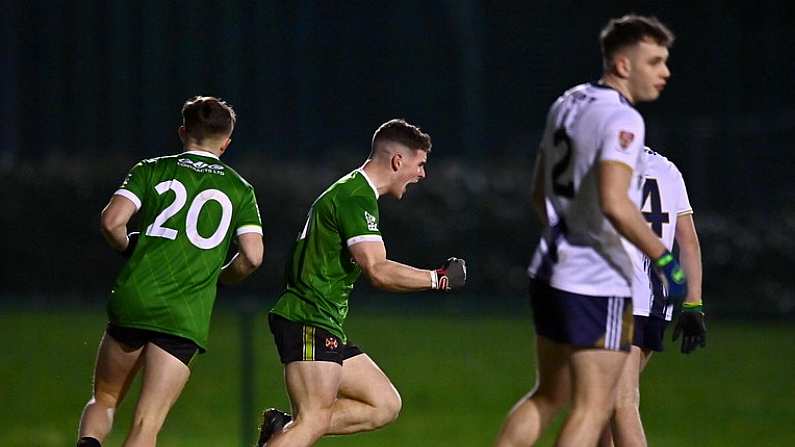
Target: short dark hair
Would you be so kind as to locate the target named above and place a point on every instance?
(207, 116)
(400, 131)
(629, 30)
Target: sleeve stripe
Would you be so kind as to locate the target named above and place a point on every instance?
(249, 229)
(364, 238)
(684, 212)
(126, 193)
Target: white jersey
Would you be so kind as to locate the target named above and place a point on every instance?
(664, 199)
(580, 251)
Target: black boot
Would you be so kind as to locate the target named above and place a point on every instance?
(273, 421)
(87, 441)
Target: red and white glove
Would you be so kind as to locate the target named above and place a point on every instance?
(452, 275)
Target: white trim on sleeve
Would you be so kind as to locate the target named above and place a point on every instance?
(364, 238)
(129, 195)
(685, 212)
(249, 229)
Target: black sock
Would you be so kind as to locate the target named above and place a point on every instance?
(88, 441)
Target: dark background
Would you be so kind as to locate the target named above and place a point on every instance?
(90, 87)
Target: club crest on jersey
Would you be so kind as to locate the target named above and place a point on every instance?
(200, 166)
(372, 224)
(625, 138)
(331, 343)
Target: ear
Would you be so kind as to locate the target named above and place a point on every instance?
(623, 65)
(183, 133)
(225, 145)
(396, 161)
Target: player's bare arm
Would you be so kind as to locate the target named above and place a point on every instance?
(245, 261)
(537, 194)
(114, 219)
(614, 180)
(389, 275)
(177, 329)
(689, 256)
(690, 323)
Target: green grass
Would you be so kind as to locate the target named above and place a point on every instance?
(458, 377)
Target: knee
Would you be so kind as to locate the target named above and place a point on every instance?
(553, 400)
(388, 409)
(628, 401)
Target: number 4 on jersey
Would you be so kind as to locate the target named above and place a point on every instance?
(656, 217)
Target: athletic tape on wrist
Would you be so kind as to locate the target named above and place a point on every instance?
(693, 307)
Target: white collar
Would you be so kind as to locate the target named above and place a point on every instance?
(369, 182)
(202, 153)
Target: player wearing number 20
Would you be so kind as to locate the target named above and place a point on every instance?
(191, 205)
(586, 192)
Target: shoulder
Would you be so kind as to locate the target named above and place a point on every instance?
(152, 162)
(660, 163)
(624, 114)
(352, 184)
(569, 94)
(624, 123)
(162, 159)
(155, 163)
(237, 177)
(576, 90)
(353, 190)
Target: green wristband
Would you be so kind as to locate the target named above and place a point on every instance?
(693, 307)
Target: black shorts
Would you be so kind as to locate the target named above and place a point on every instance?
(582, 321)
(298, 342)
(181, 348)
(649, 332)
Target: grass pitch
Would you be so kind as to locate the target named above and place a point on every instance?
(458, 376)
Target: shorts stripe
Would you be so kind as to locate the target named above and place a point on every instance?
(614, 315)
(611, 321)
(609, 324)
(616, 322)
(619, 320)
(622, 303)
(309, 343)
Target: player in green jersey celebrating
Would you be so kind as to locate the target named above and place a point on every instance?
(190, 205)
(334, 387)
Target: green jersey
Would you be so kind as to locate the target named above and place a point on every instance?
(321, 272)
(190, 206)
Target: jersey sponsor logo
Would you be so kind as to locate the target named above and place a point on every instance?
(372, 224)
(625, 138)
(200, 166)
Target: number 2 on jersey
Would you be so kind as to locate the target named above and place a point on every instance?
(560, 188)
(157, 229)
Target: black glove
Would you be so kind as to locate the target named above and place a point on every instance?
(452, 275)
(133, 241)
(691, 325)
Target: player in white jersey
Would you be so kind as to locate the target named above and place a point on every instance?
(586, 192)
(666, 207)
